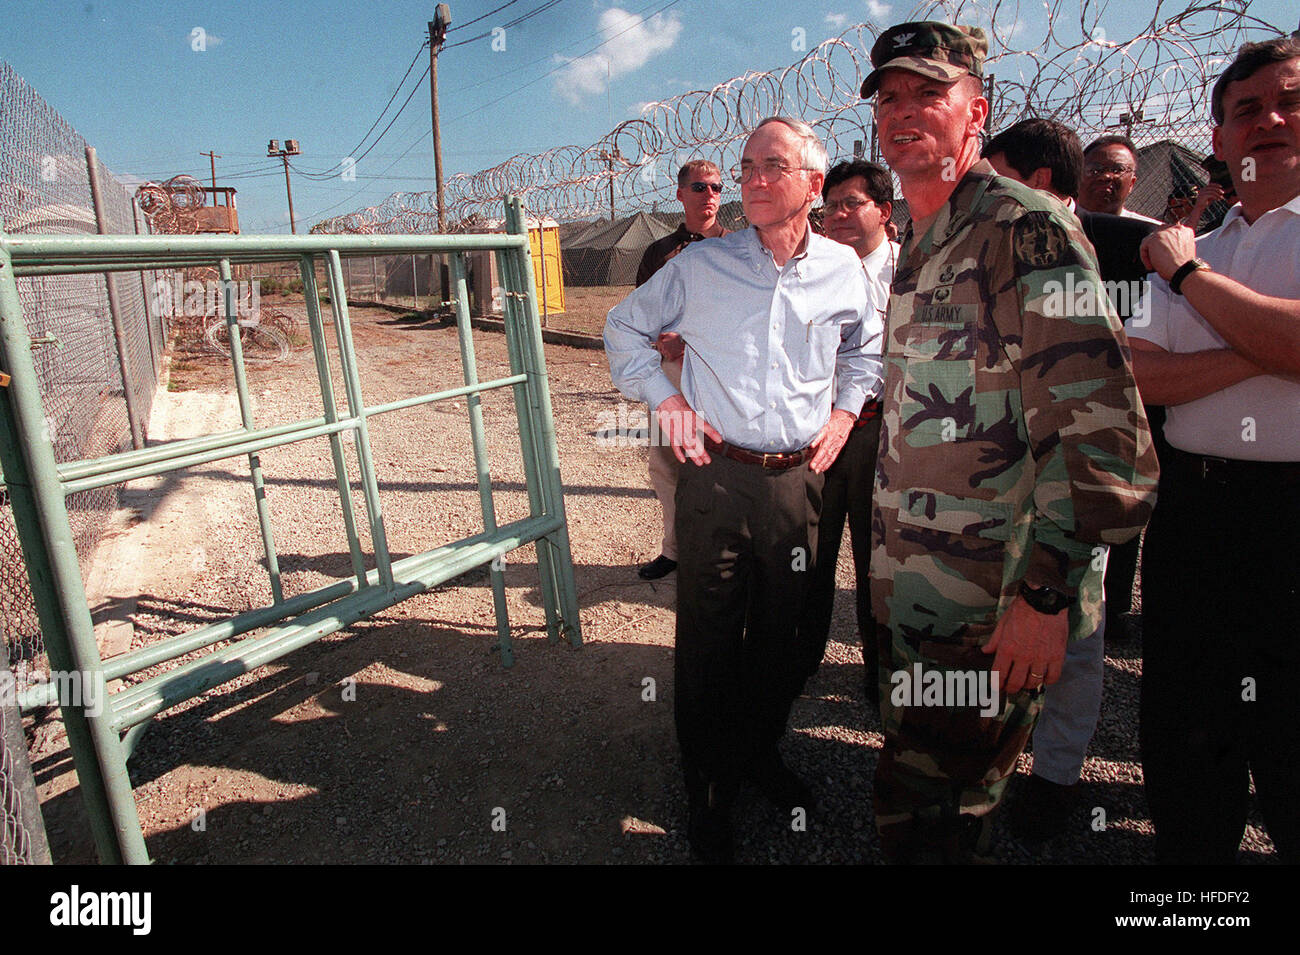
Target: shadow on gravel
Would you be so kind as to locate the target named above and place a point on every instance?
(498, 487)
(440, 755)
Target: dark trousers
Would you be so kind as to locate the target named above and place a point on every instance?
(1221, 657)
(746, 546)
(847, 493)
(1121, 568)
(1122, 565)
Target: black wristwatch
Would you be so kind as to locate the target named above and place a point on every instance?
(1047, 600)
(1184, 270)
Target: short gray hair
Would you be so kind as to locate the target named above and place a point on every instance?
(813, 154)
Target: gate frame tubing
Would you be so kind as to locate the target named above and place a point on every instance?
(38, 486)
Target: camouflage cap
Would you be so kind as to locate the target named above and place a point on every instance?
(940, 51)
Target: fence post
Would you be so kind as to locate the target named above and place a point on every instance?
(40, 514)
(114, 309)
(144, 288)
(17, 786)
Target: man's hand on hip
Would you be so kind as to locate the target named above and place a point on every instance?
(1030, 646)
(670, 346)
(683, 429)
(830, 440)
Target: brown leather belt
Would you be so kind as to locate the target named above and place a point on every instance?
(773, 460)
(869, 411)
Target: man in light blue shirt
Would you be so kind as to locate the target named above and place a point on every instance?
(778, 331)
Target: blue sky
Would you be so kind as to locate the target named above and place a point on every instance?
(149, 92)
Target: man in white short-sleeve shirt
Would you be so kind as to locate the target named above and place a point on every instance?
(1220, 347)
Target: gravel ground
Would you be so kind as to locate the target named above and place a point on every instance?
(403, 739)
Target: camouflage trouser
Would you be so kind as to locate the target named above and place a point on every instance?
(944, 769)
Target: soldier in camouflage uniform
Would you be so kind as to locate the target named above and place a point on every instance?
(1013, 450)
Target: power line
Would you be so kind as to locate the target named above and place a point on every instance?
(496, 76)
(420, 138)
(258, 171)
(515, 22)
(671, 3)
(329, 172)
(519, 20)
(467, 23)
(396, 116)
(390, 100)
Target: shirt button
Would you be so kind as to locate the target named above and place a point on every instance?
(773, 364)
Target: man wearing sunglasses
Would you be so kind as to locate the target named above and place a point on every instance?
(699, 189)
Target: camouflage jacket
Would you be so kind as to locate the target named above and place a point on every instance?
(1014, 444)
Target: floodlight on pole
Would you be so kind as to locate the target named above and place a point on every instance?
(273, 151)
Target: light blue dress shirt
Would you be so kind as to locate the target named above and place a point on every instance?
(767, 348)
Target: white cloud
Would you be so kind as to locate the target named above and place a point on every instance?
(836, 20)
(877, 9)
(630, 42)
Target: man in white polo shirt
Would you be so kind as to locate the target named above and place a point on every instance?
(1221, 576)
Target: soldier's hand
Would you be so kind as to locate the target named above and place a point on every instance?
(1030, 647)
(1166, 250)
(830, 440)
(683, 429)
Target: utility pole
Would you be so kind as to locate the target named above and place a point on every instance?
(290, 149)
(609, 160)
(437, 36)
(214, 157)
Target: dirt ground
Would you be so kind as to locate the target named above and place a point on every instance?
(586, 308)
(441, 755)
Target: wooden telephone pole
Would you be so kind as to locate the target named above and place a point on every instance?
(437, 36)
(214, 157)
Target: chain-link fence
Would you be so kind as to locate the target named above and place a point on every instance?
(98, 370)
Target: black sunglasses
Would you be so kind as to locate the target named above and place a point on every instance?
(705, 186)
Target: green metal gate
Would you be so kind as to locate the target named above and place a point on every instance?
(101, 743)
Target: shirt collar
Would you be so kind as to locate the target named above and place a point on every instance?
(760, 254)
(879, 254)
(1235, 215)
(954, 213)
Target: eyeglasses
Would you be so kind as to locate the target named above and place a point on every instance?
(850, 205)
(716, 187)
(1108, 169)
(771, 171)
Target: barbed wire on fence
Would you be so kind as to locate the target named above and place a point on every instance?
(172, 206)
(1052, 59)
